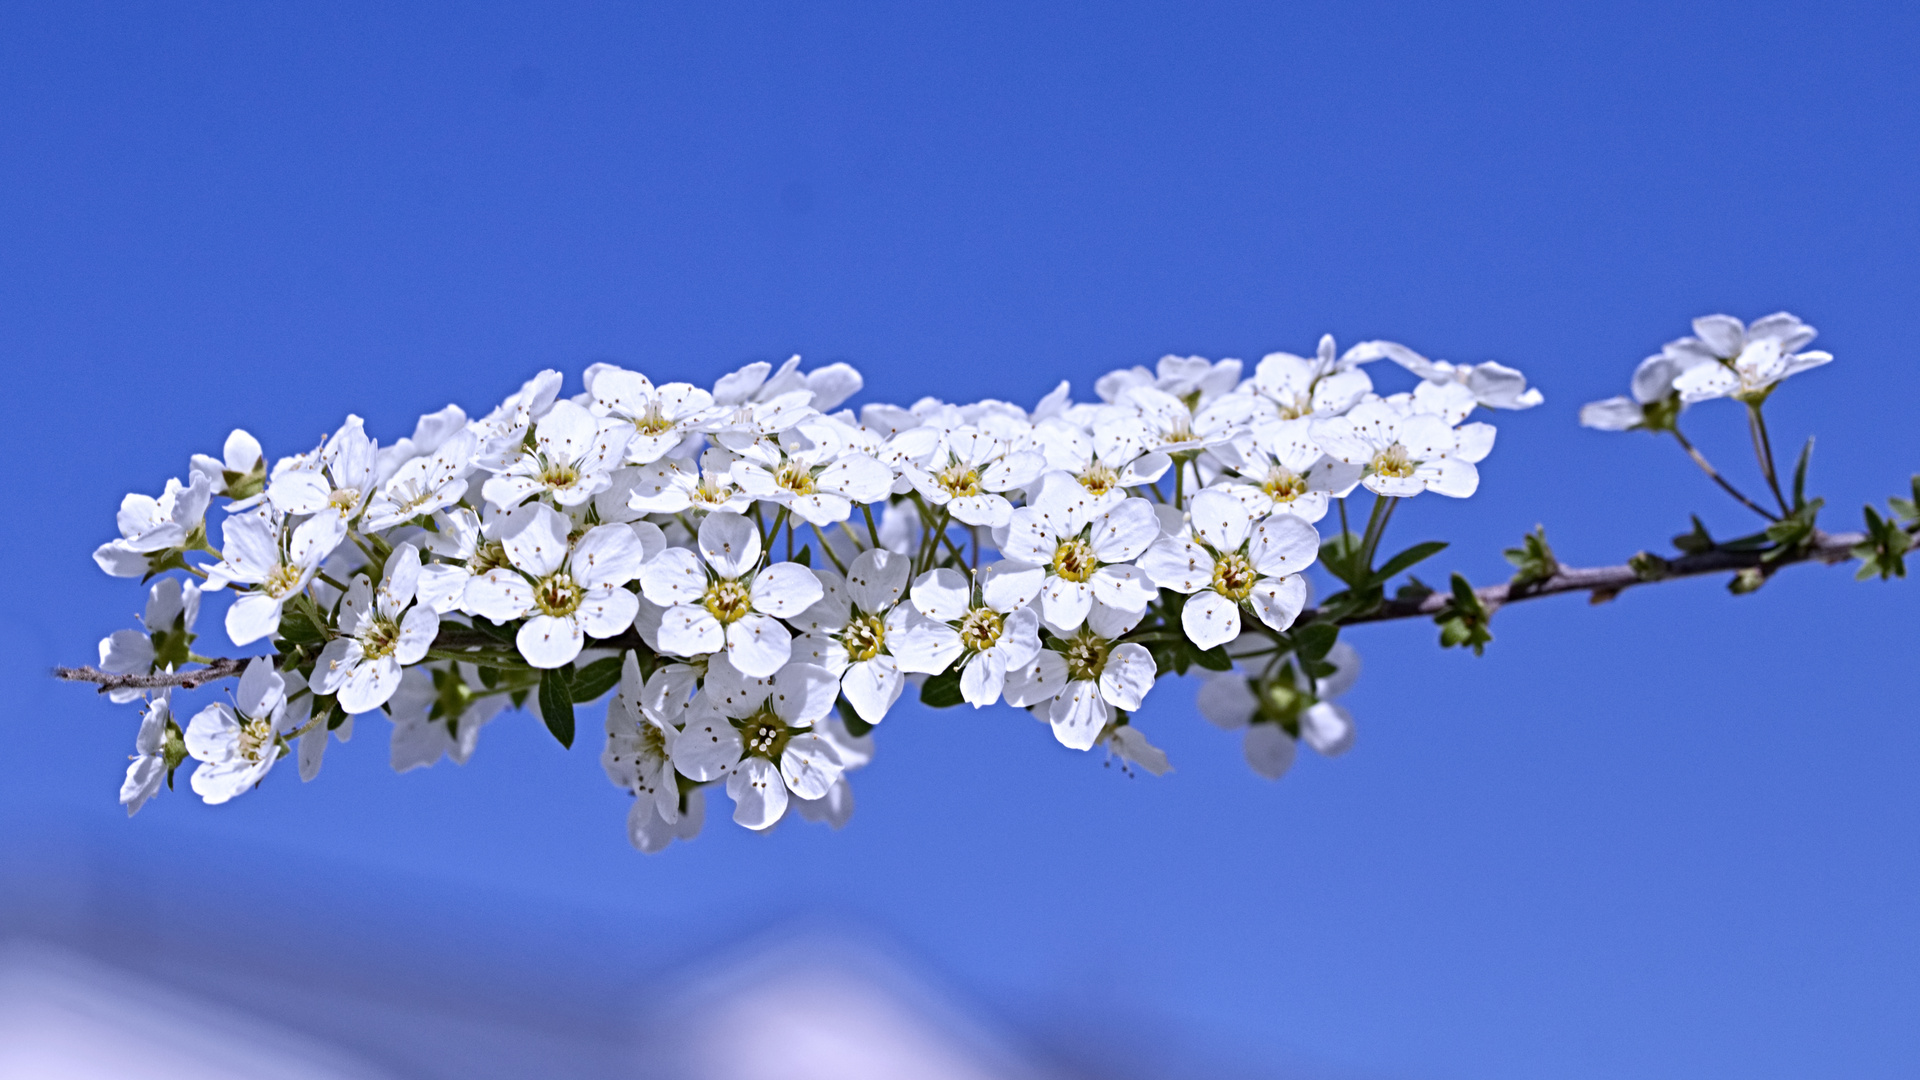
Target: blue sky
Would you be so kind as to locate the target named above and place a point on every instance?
(1672, 836)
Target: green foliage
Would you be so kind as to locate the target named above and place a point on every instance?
(1405, 560)
(298, 628)
(1793, 534)
(596, 678)
(1884, 550)
(942, 691)
(556, 702)
(1341, 556)
(1908, 509)
(1800, 475)
(1649, 567)
(1533, 559)
(1463, 622)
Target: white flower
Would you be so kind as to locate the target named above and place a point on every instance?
(172, 608)
(149, 768)
(1088, 558)
(438, 711)
(1180, 376)
(642, 726)
(1230, 562)
(382, 634)
(1748, 361)
(758, 734)
(570, 591)
(1281, 470)
(572, 459)
(337, 482)
(1653, 394)
(503, 429)
(711, 608)
(1077, 688)
(996, 628)
(748, 407)
(1492, 384)
(1327, 385)
(153, 531)
(425, 484)
(471, 548)
(968, 470)
(861, 632)
(1404, 451)
(812, 478)
(1228, 700)
(1127, 743)
(835, 808)
(239, 473)
(1144, 420)
(672, 485)
(826, 387)
(431, 432)
(237, 744)
(1106, 477)
(253, 554)
(663, 417)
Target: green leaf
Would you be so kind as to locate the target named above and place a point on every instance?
(1791, 534)
(1883, 552)
(1315, 640)
(1908, 509)
(497, 631)
(849, 716)
(1648, 567)
(804, 556)
(1408, 558)
(1696, 542)
(942, 691)
(1746, 581)
(1463, 622)
(1351, 603)
(297, 627)
(556, 703)
(596, 678)
(1340, 555)
(1800, 475)
(1533, 560)
(1214, 659)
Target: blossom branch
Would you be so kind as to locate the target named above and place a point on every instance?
(223, 668)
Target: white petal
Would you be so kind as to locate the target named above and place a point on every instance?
(759, 793)
(872, 686)
(810, 766)
(369, 684)
(1123, 587)
(1210, 619)
(1219, 520)
(1269, 749)
(417, 632)
(252, 617)
(607, 555)
(1328, 728)
(1278, 601)
(1123, 533)
(1283, 544)
(550, 642)
(1064, 604)
(730, 544)
(876, 579)
(539, 547)
(690, 630)
(803, 694)
(498, 595)
(1079, 715)
(1178, 564)
(675, 576)
(786, 589)
(1128, 676)
(1009, 586)
(982, 679)
(757, 644)
(1037, 681)
(606, 611)
(1226, 700)
(942, 594)
(924, 646)
(708, 746)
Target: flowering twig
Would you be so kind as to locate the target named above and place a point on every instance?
(1726, 486)
(224, 668)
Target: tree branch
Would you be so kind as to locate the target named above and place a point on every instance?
(224, 668)
(1606, 582)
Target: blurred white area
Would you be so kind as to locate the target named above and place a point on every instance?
(63, 1017)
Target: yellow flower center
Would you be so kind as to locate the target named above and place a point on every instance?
(557, 595)
(864, 637)
(344, 499)
(795, 477)
(729, 601)
(1283, 485)
(958, 481)
(981, 629)
(765, 735)
(379, 637)
(1099, 479)
(651, 422)
(559, 474)
(1074, 560)
(489, 555)
(255, 735)
(1087, 656)
(1234, 576)
(1393, 462)
(281, 580)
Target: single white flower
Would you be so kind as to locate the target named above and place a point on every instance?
(1653, 403)
(1127, 743)
(239, 473)
(337, 481)
(758, 734)
(1748, 361)
(504, 429)
(712, 607)
(471, 545)
(571, 460)
(967, 472)
(1181, 376)
(1281, 470)
(828, 386)
(998, 632)
(1231, 562)
(662, 417)
(1107, 479)
(1088, 557)
(1145, 420)
(255, 553)
(154, 533)
(1076, 684)
(671, 485)
(382, 633)
(1228, 699)
(749, 407)
(431, 432)
(1493, 385)
(861, 632)
(642, 724)
(425, 484)
(1404, 451)
(571, 591)
(813, 479)
(835, 808)
(172, 607)
(437, 712)
(149, 768)
(237, 744)
(1327, 385)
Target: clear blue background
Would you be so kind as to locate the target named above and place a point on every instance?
(1671, 836)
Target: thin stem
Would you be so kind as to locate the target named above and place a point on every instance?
(1376, 527)
(835, 559)
(873, 531)
(1343, 517)
(1763, 449)
(1179, 484)
(1707, 467)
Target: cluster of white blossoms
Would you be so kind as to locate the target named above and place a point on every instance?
(758, 573)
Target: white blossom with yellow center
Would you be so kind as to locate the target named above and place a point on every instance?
(1402, 448)
(757, 733)
(566, 591)
(1231, 562)
(997, 629)
(237, 744)
(380, 634)
(1087, 556)
(720, 600)
(861, 632)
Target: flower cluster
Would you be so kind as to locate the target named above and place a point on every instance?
(758, 573)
